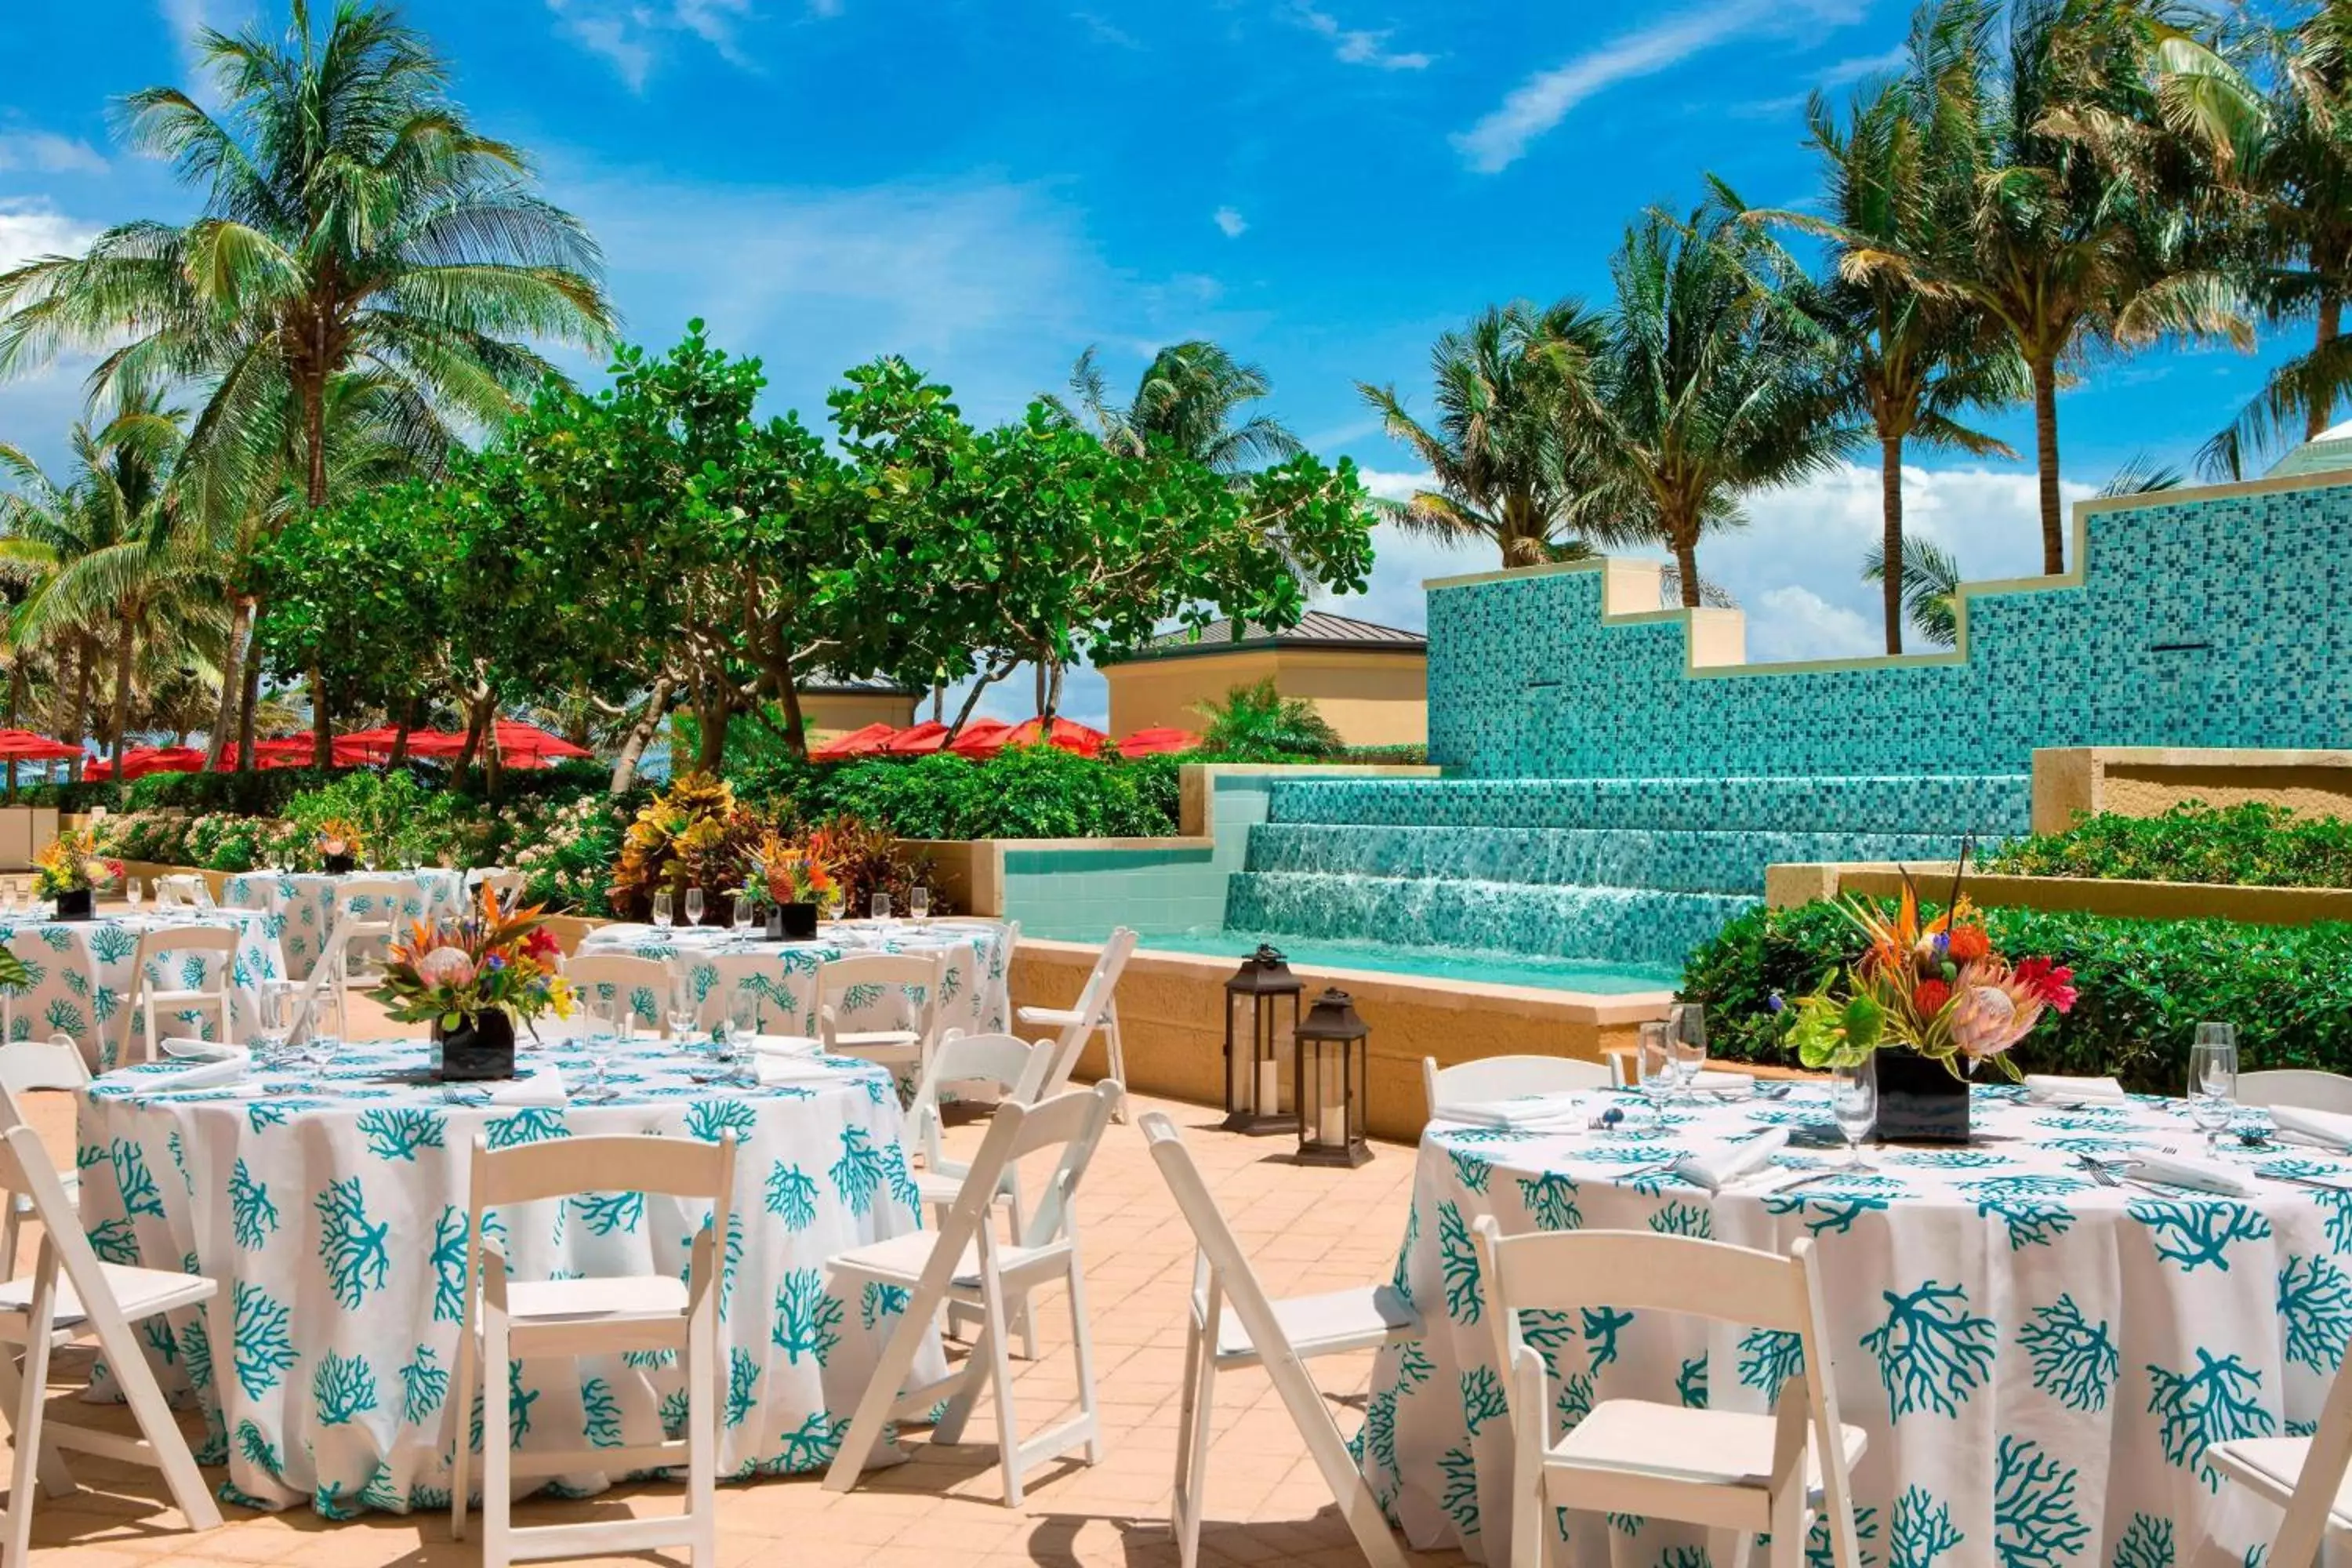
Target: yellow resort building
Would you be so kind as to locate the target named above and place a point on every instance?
(831, 706)
(1369, 682)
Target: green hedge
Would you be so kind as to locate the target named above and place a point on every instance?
(2145, 985)
(1030, 792)
(2250, 845)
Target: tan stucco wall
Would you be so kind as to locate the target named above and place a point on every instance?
(1786, 887)
(1371, 698)
(828, 714)
(2148, 781)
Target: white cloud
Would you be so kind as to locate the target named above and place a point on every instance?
(629, 33)
(187, 19)
(1844, 73)
(29, 230)
(1230, 222)
(1540, 102)
(1789, 623)
(1103, 31)
(44, 152)
(1357, 46)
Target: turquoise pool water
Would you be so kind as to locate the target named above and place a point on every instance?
(1432, 962)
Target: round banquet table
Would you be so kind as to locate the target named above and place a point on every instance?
(717, 963)
(330, 1208)
(80, 980)
(2041, 1360)
(303, 903)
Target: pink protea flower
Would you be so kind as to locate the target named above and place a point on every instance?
(1993, 1009)
(449, 966)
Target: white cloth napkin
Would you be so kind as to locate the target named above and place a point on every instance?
(2194, 1171)
(1514, 1112)
(210, 1064)
(1713, 1171)
(786, 1045)
(1707, 1081)
(2067, 1090)
(2325, 1128)
(778, 1066)
(543, 1087)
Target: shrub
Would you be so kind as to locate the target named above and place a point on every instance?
(222, 842)
(2144, 985)
(866, 861)
(2252, 845)
(1025, 792)
(160, 836)
(569, 856)
(1258, 724)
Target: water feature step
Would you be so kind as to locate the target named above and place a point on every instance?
(1632, 925)
(1676, 861)
(1991, 806)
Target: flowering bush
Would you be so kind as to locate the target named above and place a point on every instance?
(1936, 987)
(160, 836)
(496, 956)
(866, 861)
(219, 842)
(567, 856)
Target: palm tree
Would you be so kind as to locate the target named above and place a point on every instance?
(354, 221)
(1509, 469)
(1708, 389)
(2080, 222)
(1928, 582)
(1912, 363)
(1190, 400)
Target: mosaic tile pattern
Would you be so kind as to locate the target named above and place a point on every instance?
(2216, 622)
(1981, 803)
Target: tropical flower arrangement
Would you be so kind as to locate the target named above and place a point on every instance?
(72, 864)
(784, 873)
(497, 958)
(1935, 987)
(340, 838)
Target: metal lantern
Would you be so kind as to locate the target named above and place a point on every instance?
(1261, 1020)
(1329, 1083)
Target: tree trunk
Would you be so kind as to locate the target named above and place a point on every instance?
(2320, 410)
(322, 723)
(641, 735)
(400, 735)
(2045, 455)
(1040, 673)
(988, 678)
(1890, 502)
(1052, 696)
(240, 628)
(15, 704)
(80, 722)
(493, 760)
(939, 702)
(712, 709)
(1686, 563)
(122, 724)
(796, 724)
(478, 709)
(248, 702)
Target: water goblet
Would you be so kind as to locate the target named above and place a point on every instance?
(662, 917)
(879, 905)
(681, 1009)
(742, 914)
(694, 906)
(2213, 1081)
(1686, 1028)
(1853, 1101)
(918, 902)
(743, 1016)
(131, 894)
(270, 1019)
(601, 1040)
(1654, 1066)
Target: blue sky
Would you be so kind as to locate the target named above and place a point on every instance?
(1322, 186)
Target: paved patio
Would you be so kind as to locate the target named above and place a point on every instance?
(1305, 1228)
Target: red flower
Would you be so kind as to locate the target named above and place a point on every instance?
(2053, 983)
(541, 944)
(1928, 999)
(1966, 944)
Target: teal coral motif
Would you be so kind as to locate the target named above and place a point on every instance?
(2145, 1542)
(609, 1214)
(2073, 1360)
(353, 1251)
(1922, 1532)
(2196, 1235)
(2027, 1206)
(2315, 1306)
(1550, 1199)
(398, 1134)
(2036, 1521)
(264, 1343)
(792, 1195)
(710, 1120)
(2216, 1401)
(424, 1385)
(1768, 1358)
(343, 1389)
(808, 1320)
(134, 1181)
(1932, 1351)
(860, 1172)
(1457, 1262)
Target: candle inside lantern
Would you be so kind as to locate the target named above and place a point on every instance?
(1331, 1116)
(1269, 1088)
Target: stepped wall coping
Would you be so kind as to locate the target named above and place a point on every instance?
(1786, 887)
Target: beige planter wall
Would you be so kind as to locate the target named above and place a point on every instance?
(1786, 887)
(2148, 781)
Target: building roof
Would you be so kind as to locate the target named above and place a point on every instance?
(1316, 629)
(825, 683)
(2329, 450)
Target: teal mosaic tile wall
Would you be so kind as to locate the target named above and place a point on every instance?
(2220, 621)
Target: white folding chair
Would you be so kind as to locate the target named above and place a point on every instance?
(31, 1066)
(899, 1049)
(513, 1320)
(1016, 1069)
(509, 885)
(215, 950)
(1276, 1335)
(1732, 1472)
(2305, 1089)
(367, 915)
(1504, 1078)
(1096, 1011)
(2305, 1476)
(963, 1260)
(304, 1000)
(98, 1301)
(640, 982)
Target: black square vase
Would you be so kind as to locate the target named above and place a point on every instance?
(77, 904)
(1920, 1101)
(481, 1047)
(792, 922)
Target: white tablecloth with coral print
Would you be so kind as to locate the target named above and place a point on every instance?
(304, 903)
(2041, 1360)
(331, 1209)
(80, 981)
(719, 964)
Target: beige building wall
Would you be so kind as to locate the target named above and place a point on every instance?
(828, 714)
(1371, 698)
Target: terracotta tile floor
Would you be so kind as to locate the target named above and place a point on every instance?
(1305, 1229)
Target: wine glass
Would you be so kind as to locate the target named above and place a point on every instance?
(1853, 1101)
(681, 1008)
(743, 1016)
(600, 1042)
(743, 915)
(918, 902)
(2213, 1080)
(1653, 1065)
(833, 906)
(1686, 1028)
(130, 895)
(879, 905)
(662, 917)
(694, 906)
(270, 1019)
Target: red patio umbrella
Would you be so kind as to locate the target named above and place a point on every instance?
(24, 746)
(1159, 743)
(1066, 734)
(863, 742)
(981, 740)
(521, 745)
(918, 740)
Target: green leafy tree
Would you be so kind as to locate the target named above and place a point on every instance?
(352, 219)
(1191, 401)
(1508, 459)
